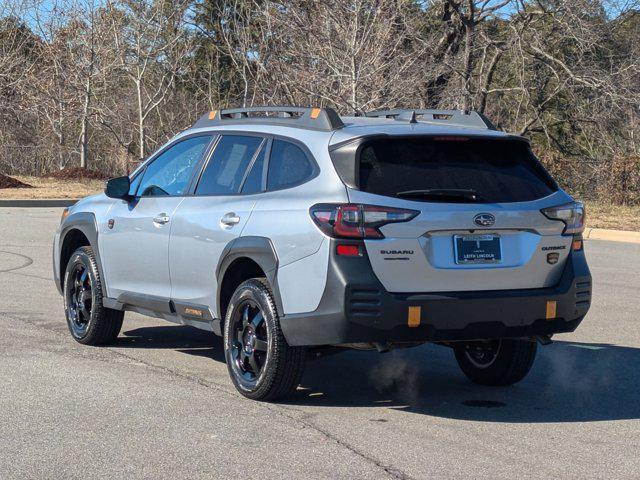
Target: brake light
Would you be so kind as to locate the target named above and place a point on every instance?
(571, 214)
(353, 220)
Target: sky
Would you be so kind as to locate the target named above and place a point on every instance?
(38, 11)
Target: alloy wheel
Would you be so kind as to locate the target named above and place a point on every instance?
(79, 300)
(248, 342)
(483, 353)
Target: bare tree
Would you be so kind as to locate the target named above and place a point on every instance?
(86, 47)
(18, 59)
(106, 81)
(152, 47)
(352, 55)
(51, 97)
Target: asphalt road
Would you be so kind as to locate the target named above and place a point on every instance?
(159, 403)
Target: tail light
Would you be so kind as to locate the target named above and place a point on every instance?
(571, 214)
(352, 220)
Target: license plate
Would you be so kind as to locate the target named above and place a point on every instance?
(481, 248)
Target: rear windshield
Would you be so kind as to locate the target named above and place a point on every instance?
(458, 169)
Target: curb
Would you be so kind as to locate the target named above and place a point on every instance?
(45, 202)
(611, 235)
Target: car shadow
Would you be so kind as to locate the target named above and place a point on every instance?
(569, 381)
(183, 339)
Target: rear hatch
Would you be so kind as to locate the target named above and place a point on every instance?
(478, 223)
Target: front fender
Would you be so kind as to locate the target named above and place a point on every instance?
(84, 222)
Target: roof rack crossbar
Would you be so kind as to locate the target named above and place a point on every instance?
(438, 117)
(324, 119)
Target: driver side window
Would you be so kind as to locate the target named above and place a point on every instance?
(170, 172)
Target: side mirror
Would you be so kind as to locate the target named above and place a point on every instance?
(118, 188)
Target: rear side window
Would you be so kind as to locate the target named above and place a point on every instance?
(226, 168)
(288, 166)
(493, 171)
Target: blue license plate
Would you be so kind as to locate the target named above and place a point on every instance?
(477, 248)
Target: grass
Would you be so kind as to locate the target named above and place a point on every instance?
(599, 214)
(52, 188)
(615, 217)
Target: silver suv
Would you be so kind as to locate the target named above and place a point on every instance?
(285, 228)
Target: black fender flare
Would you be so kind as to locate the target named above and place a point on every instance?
(258, 249)
(85, 222)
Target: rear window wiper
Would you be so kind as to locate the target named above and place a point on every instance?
(442, 194)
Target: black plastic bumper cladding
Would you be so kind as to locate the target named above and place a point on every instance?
(356, 308)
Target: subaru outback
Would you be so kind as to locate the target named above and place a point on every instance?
(285, 229)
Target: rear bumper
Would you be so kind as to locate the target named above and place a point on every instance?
(355, 308)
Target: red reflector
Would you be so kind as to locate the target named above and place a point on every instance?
(348, 250)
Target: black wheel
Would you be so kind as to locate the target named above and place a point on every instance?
(496, 362)
(89, 321)
(261, 364)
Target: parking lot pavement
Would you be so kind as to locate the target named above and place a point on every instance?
(159, 404)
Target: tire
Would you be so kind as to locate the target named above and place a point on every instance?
(89, 322)
(496, 362)
(261, 364)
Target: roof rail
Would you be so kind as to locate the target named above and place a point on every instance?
(325, 119)
(439, 117)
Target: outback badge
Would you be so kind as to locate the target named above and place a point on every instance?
(552, 258)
